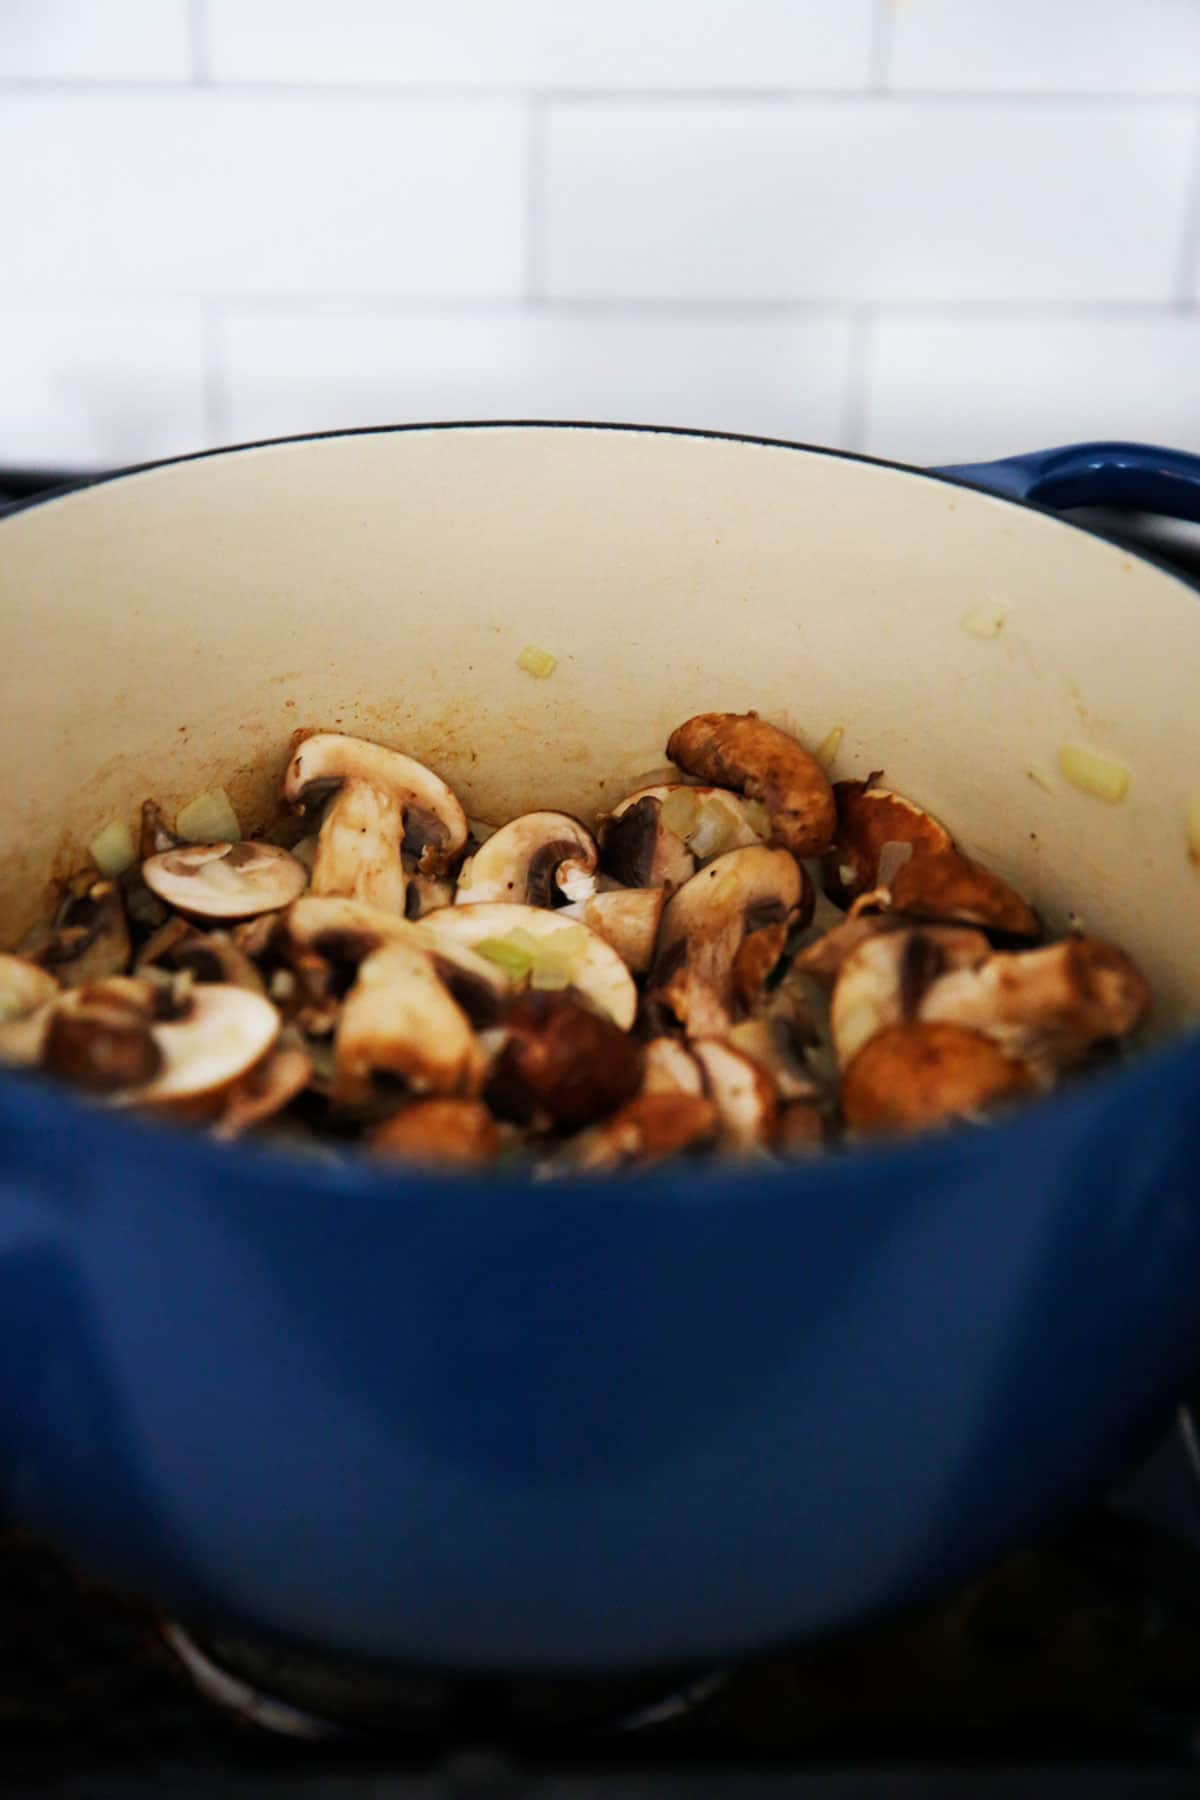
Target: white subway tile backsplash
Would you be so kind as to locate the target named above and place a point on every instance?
(309, 371)
(99, 386)
(1112, 46)
(207, 192)
(867, 200)
(546, 43)
(966, 389)
(95, 40)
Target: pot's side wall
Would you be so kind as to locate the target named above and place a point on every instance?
(173, 629)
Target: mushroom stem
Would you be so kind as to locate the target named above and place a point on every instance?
(358, 851)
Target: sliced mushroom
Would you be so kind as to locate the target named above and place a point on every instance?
(1049, 1007)
(399, 1020)
(561, 1065)
(741, 751)
(697, 974)
(824, 956)
(593, 969)
(887, 978)
(658, 836)
(426, 893)
(399, 807)
(742, 1092)
(935, 881)
(437, 1134)
(358, 851)
(225, 881)
(90, 937)
(628, 919)
(539, 859)
(219, 1034)
(769, 1042)
(24, 987)
(325, 938)
(922, 1073)
(101, 1037)
(670, 1068)
(205, 955)
(274, 1083)
(646, 1130)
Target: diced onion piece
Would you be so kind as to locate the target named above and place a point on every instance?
(112, 849)
(830, 744)
(508, 956)
(538, 663)
(1193, 830)
(714, 830)
(680, 812)
(985, 620)
(209, 819)
(1093, 773)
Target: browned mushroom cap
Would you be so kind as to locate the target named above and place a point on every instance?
(696, 972)
(659, 835)
(914, 1075)
(888, 977)
(437, 1133)
(399, 1020)
(645, 1130)
(561, 1065)
(538, 859)
(225, 881)
(935, 881)
(101, 1037)
(1049, 1007)
(741, 751)
(628, 919)
(434, 824)
(274, 1083)
(742, 1092)
(89, 940)
(205, 955)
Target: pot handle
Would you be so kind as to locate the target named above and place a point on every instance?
(1135, 477)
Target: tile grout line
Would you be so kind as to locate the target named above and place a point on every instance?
(631, 306)
(585, 96)
(197, 23)
(880, 51)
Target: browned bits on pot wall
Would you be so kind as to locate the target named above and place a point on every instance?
(742, 752)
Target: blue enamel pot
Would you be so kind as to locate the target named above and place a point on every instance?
(613, 1423)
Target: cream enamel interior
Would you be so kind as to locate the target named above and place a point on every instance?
(171, 630)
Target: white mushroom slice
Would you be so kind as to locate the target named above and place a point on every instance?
(766, 1041)
(358, 850)
(435, 826)
(220, 1034)
(741, 894)
(427, 893)
(398, 1019)
(594, 970)
(283, 1073)
(1047, 1008)
(658, 835)
(533, 861)
(670, 1068)
(884, 981)
(23, 987)
(343, 931)
(628, 919)
(742, 1092)
(225, 881)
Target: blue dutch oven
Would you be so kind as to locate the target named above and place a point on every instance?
(489, 1424)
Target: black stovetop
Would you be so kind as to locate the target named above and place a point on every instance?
(1070, 1669)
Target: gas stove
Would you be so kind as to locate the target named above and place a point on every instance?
(1070, 1668)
